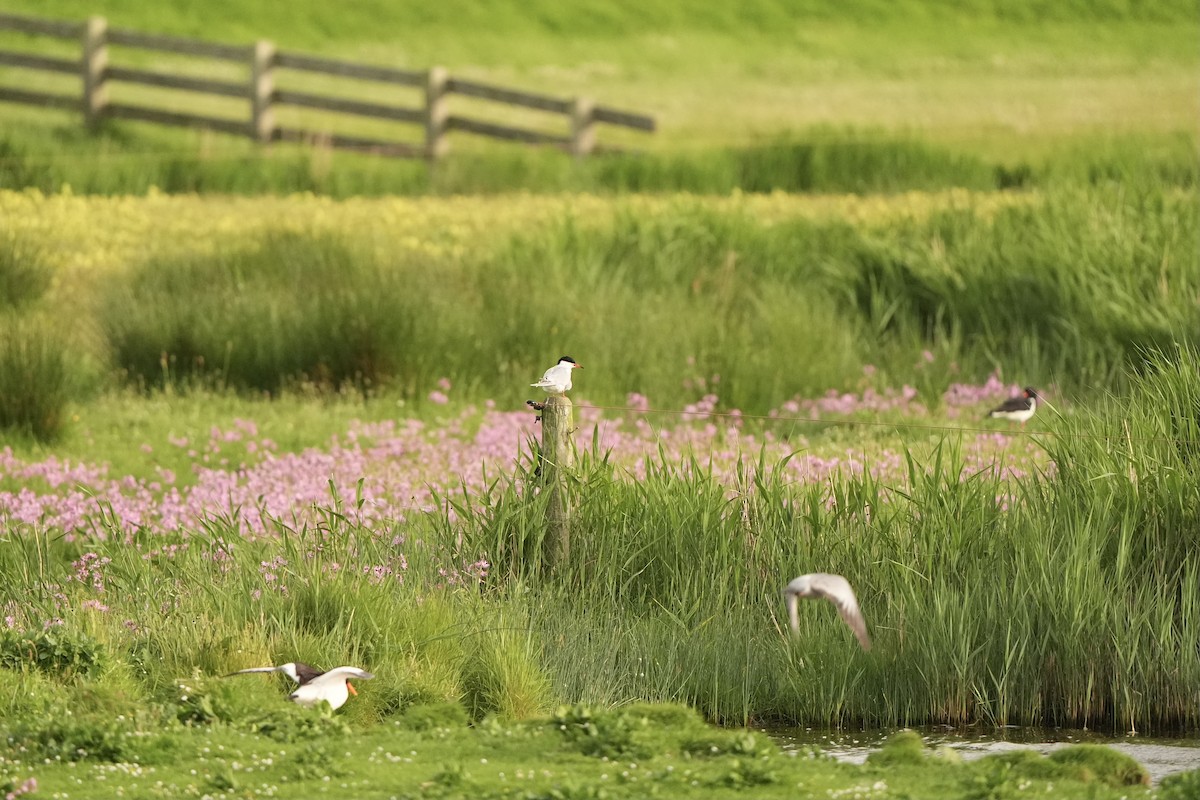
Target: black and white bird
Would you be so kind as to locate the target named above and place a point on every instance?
(313, 685)
(298, 671)
(331, 687)
(557, 379)
(1019, 408)
(835, 589)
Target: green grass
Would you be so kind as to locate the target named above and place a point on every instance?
(39, 376)
(1062, 599)
(965, 96)
(816, 159)
(1069, 290)
(1058, 601)
(576, 753)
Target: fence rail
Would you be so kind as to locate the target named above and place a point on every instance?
(263, 62)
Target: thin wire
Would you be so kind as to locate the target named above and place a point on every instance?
(896, 425)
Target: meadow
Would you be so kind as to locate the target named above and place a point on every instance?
(352, 478)
(793, 95)
(264, 406)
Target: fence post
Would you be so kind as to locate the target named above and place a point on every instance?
(583, 127)
(558, 457)
(95, 66)
(435, 113)
(262, 92)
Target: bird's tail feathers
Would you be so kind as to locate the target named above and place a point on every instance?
(793, 603)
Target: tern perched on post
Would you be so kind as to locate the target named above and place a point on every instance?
(314, 686)
(1019, 408)
(835, 589)
(557, 379)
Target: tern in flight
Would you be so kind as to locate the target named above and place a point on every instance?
(314, 686)
(557, 379)
(835, 589)
(331, 687)
(298, 671)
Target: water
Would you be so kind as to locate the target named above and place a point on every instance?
(1160, 756)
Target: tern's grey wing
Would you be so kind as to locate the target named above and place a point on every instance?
(837, 590)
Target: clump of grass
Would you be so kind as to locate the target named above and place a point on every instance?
(905, 747)
(56, 651)
(1103, 764)
(856, 162)
(37, 377)
(1181, 786)
(23, 276)
(431, 716)
(502, 674)
(261, 316)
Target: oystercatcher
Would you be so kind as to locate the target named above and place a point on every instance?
(333, 686)
(1019, 408)
(835, 589)
(557, 379)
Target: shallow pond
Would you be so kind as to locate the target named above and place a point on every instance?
(1161, 756)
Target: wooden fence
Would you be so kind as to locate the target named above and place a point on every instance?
(263, 59)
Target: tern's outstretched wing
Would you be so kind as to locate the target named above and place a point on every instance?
(838, 591)
(251, 669)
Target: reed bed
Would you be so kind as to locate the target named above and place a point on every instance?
(1060, 594)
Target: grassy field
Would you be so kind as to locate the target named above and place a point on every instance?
(158, 464)
(1066, 288)
(578, 752)
(263, 406)
(982, 99)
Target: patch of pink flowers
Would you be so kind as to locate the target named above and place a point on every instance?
(28, 786)
(398, 467)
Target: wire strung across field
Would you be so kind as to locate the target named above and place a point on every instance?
(896, 425)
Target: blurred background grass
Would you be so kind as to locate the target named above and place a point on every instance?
(800, 96)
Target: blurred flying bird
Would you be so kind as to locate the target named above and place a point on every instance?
(298, 671)
(835, 589)
(333, 687)
(1019, 408)
(557, 379)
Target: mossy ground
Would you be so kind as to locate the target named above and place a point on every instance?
(639, 751)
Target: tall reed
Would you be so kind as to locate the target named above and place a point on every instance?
(1066, 601)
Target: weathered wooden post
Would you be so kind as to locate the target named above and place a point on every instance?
(583, 127)
(95, 66)
(558, 457)
(262, 92)
(436, 113)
